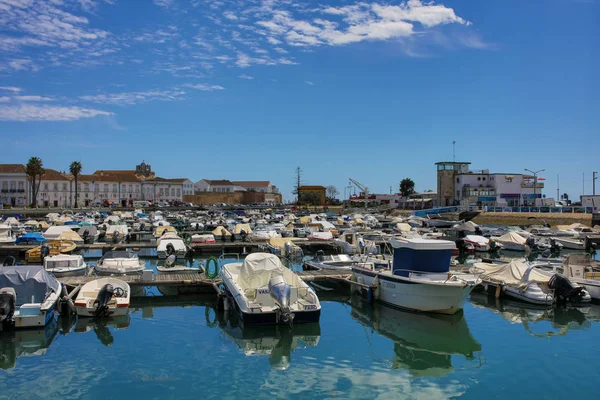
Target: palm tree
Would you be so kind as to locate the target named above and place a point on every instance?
(75, 169)
(34, 170)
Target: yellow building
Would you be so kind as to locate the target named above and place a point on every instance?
(313, 195)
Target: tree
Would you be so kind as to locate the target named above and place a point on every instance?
(331, 192)
(298, 183)
(75, 169)
(407, 187)
(34, 170)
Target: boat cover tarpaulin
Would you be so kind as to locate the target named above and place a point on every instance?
(244, 227)
(511, 273)
(257, 269)
(512, 237)
(29, 281)
(480, 240)
(31, 237)
(221, 231)
(467, 226)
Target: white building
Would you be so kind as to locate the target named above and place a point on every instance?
(222, 185)
(187, 187)
(482, 188)
(257, 186)
(13, 183)
(54, 190)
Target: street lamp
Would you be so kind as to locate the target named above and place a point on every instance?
(534, 181)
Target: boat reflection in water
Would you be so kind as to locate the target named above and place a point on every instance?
(275, 341)
(561, 318)
(100, 326)
(423, 343)
(25, 343)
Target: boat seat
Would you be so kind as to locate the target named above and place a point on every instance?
(592, 275)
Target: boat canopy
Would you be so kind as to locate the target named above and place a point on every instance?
(513, 273)
(467, 226)
(257, 269)
(512, 237)
(31, 237)
(72, 236)
(119, 254)
(221, 231)
(32, 283)
(477, 239)
(421, 255)
(245, 227)
(280, 242)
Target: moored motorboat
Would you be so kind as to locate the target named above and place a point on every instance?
(28, 296)
(120, 262)
(420, 278)
(170, 244)
(571, 243)
(104, 297)
(263, 291)
(65, 265)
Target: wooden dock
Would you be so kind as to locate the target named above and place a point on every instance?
(199, 248)
(197, 280)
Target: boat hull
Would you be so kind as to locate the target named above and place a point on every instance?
(415, 295)
(271, 318)
(31, 321)
(83, 311)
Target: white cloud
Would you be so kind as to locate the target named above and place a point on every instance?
(203, 87)
(10, 89)
(4, 99)
(34, 112)
(309, 83)
(33, 98)
(158, 36)
(130, 98)
(163, 3)
(22, 64)
(230, 16)
(244, 76)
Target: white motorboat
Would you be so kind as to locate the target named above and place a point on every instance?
(326, 235)
(54, 232)
(570, 243)
(105, 297)
(6, 235)
(203, 238)
(284, 247)
(28, 296)
(511, 241)
(420, 278)
(65, 265)
(119, 263)
(354, 243)
(116, 232)
(170, 244)
(579, 268)
(264, 233)
(342, 262)
(525, 282)
(263, 291)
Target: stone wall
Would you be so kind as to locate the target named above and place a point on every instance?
(204, 198)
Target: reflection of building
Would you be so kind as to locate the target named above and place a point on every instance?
(459, 185)
(13, 181)
(313, 195)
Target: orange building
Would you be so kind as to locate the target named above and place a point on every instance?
(313, 195)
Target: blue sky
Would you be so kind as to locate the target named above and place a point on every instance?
(251, 89)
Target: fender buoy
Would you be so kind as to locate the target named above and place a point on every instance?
(207, 270)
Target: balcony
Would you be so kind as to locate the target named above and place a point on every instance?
(531, 185)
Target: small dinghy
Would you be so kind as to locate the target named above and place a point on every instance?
(105, 297)
(263, 291)
(171, 267)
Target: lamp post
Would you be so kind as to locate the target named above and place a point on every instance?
(534, 182)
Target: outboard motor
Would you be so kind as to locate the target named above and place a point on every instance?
(142, 227)
(115, 238)
(8, 299)
(280, 292)
(493, 245)
(85, 236)
(564, 290)
(44, 251)
(101, 303)
(170, 249)
(170, 260)
(9, 261)
(530, 241)
(547, 253)
(288, 248)
(243, 234)
(555, 247)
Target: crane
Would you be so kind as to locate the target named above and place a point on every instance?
(364, 189)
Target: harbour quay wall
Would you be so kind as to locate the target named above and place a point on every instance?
(522, 219)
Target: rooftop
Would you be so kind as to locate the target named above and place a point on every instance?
(12, 168)
(452, 162)
(252, 183)
(311, 187)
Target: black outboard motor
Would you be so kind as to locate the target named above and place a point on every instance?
(8, 299)
(243, 234)
(9, 261)
(170, 262)
(170, 249)
(101, 303)
(478, 231)
(115, 238)
(555, 247)
(86, 236)
(547, 253)
(564, 290)
(142, 227)
(530, 241)
(44, 251)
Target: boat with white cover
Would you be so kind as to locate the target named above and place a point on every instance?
(170, 244)
(28, 296)
(263, 291)
(511, 241)
(6, 235)
(104, 297)
(571, 243)
(420, 278)
(65, 265)
(120, 262)
(525, 282)
(580, 269)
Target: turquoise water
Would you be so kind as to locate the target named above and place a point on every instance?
(182, 347)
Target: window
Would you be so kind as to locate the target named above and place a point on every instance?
(160, 192)
(137, 188)
(478, 178)
(178, 192)
(65, 187)
(4, 185)
(13, 185)
(114, 188)
(21, 185)
(458, 193)
(484, 178)
(106, 187)
(55, 186)
(46, 187)
(130, 188)
(172, 192)
(86, 187)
